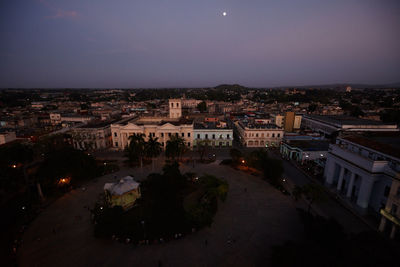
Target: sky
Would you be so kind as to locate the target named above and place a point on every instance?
(189, 43)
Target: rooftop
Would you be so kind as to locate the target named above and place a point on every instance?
(208, 125)
(341, 120)
(385, 142)
(310, 145)
(251, 125)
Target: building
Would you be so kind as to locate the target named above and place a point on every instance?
(304, 150)
(258, 135)
(290, 121)
(390, 221)
(161, 127)
(175, 108)
(332, 125)
(363, 167)
(92, 136)
(218, 135)
(123, 193)
(7, 137)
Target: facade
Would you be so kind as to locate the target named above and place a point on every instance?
(331, 125)
(216, 136)
(390, 221)
(259, 135)
(290, 121)
(92, 136)
(304, 150)
(161, 127)
(362, 169)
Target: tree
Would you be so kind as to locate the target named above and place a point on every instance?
(175, 147)
(202, 106)
(135, 151)
(312, 192)
(153, 149)
(236, 155)
(312, 107)
(273, 171)
(202, 147)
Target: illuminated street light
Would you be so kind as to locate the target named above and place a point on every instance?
(243, 161)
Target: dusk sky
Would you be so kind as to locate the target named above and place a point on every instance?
(188, 43)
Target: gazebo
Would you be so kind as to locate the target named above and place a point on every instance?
(123, 193)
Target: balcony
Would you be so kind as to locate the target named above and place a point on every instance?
(361, 161)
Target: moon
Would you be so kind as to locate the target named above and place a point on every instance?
(224, 14)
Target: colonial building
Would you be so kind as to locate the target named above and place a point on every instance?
(94, 136)
(258, 135)
(216, 134)
(362, 169)
(161, 127)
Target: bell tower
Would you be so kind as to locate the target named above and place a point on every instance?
(175, 108)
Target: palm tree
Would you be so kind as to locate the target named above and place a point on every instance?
(153, 149)
(175, 147)
(202, 147)
(136, 148)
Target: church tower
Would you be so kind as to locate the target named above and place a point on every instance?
(175, 108)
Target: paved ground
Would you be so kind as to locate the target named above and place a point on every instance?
(245, 227)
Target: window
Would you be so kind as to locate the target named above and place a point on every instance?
(188, 134)
(177, 105)
(115, 134)
(116, 143)
(183, 134)
(188, 143)
(227, 136)
(176, 134)
(198, 136)
(262, 134)
(279, 135)
(172, 105)
(213, 136)
(206, 136)
(256, 134)
(273, 135)
(169, 134)
(162, 134)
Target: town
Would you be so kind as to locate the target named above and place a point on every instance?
(228, 175)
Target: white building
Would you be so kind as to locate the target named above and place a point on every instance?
(216, 136)
(258, 135)
(362, 168)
